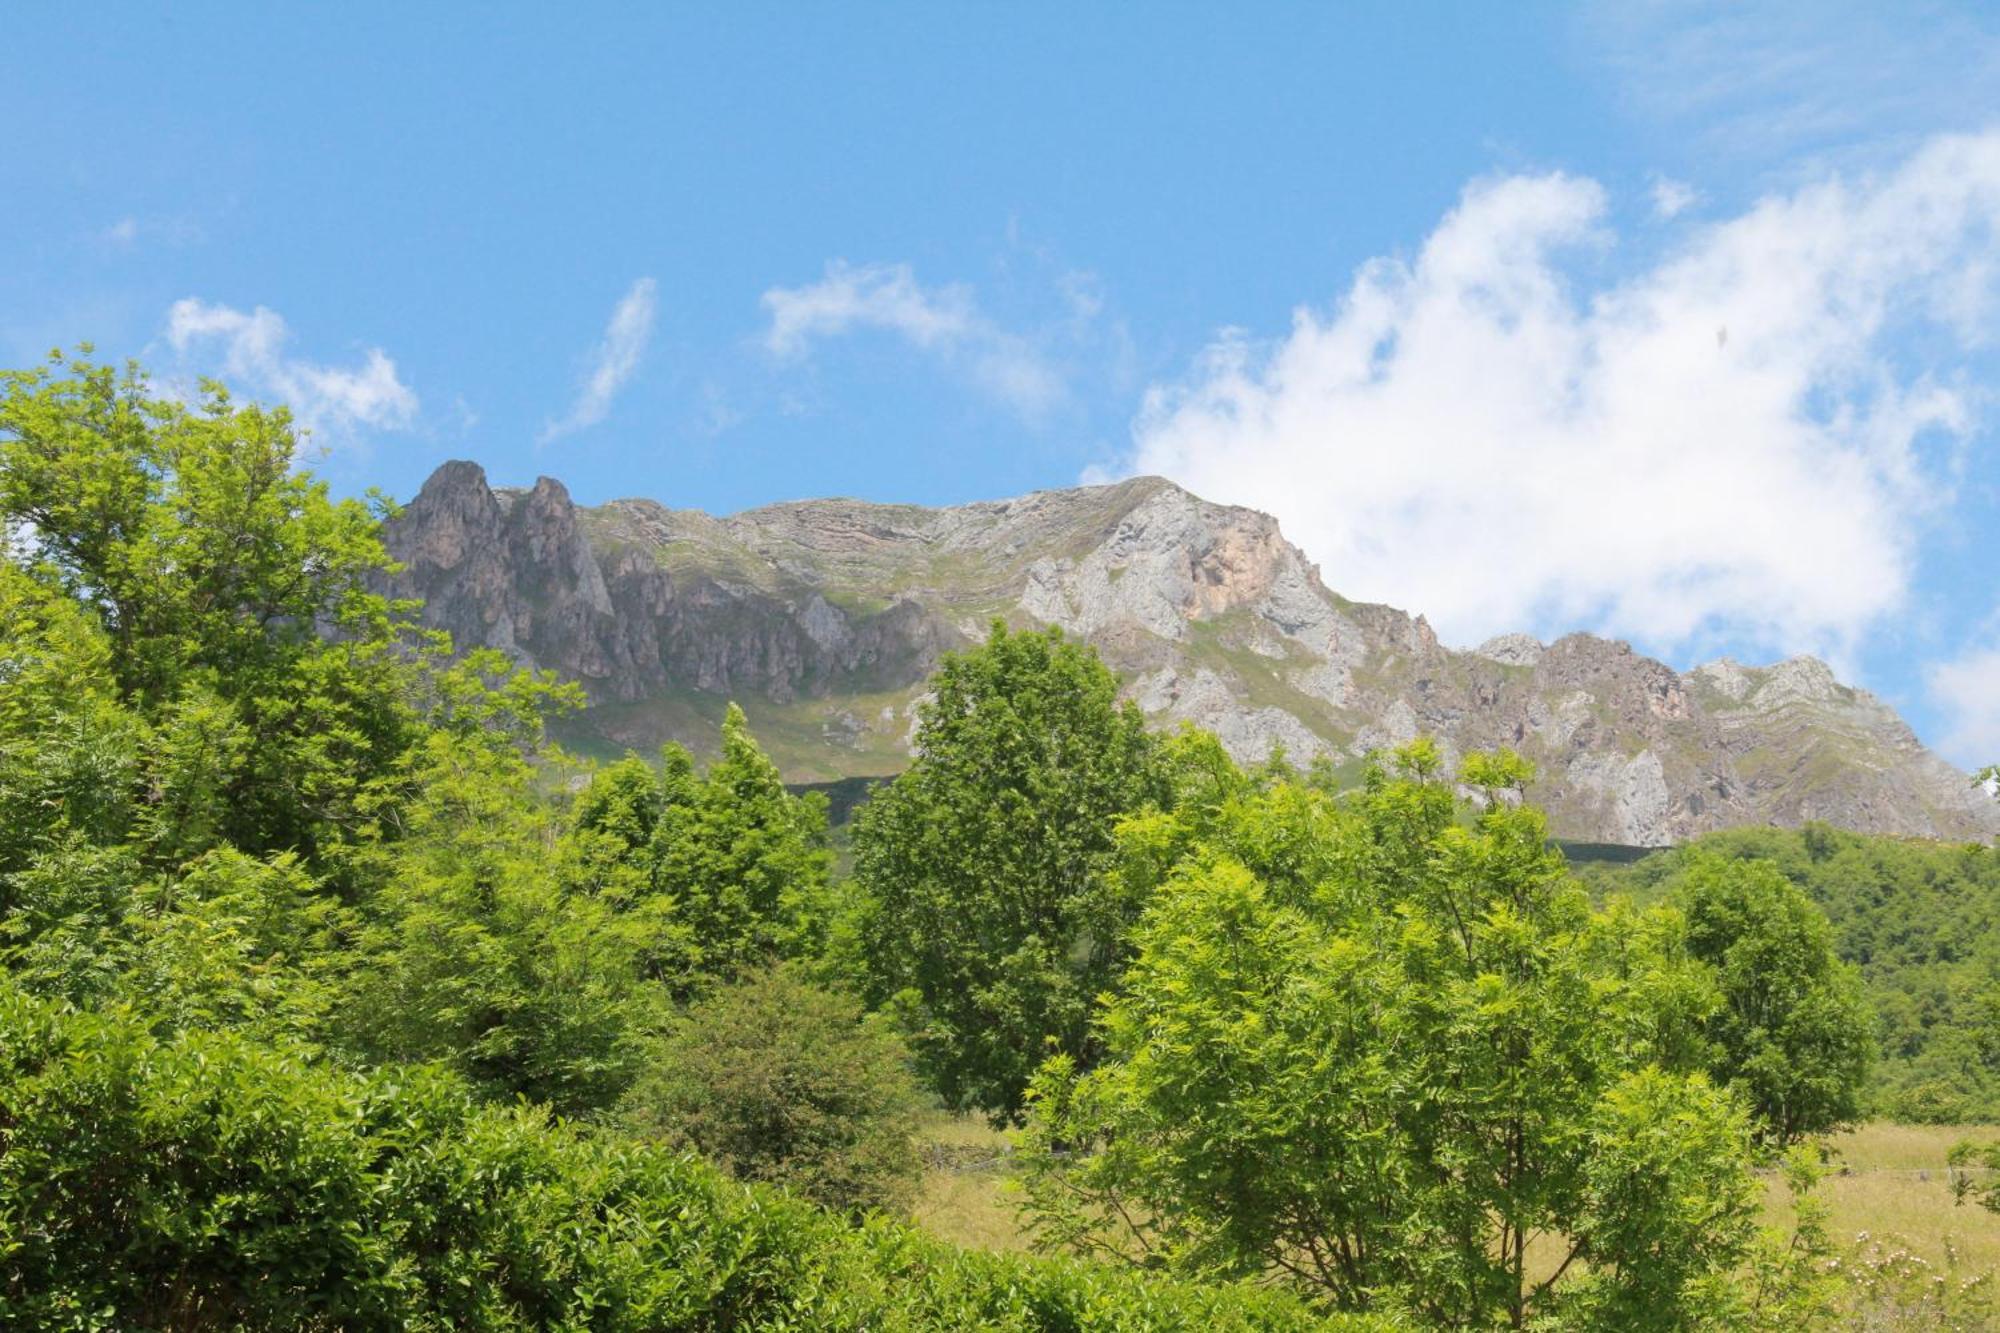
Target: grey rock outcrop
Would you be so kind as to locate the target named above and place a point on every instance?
(824, 618)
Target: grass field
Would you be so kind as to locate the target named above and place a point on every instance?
(1888, 1189)
(965, 1197)
(1895, 1184)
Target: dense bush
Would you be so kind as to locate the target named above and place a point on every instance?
(206, 1180)
(778, 1080)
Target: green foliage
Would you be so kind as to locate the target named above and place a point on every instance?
(487, 948)
(1791, 1281)
(736, 864)
(1792, 1032)
(193, 654)
(69, 754)
(211, 567)
(1921, 923)
(212, 1181)
(1373, 1052)
(988, 922)
(322, 976)
(778, 1080)
(316, 982)
(185, 529)
(746, 861)
(1665, 1211)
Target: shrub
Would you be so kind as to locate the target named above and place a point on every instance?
(780, 1081)
(203, 1180)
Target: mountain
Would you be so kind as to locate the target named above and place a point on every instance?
(823, 618)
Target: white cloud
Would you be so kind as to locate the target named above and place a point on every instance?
(943, 320)
(612, 362)
(253, 357)
(1671, 198)
(1967, 691)
(1731, 442)
(165, 229)
(879, 296)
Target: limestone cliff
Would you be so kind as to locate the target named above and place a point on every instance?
(823, 619)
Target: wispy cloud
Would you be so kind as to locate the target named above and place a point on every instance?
(248, 350)
(879, 296)
(129, 231)
(1737, 442)
(1800, 79)
(612, 362)
(944, 321)
(1671, 198)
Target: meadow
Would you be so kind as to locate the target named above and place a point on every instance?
(1887, 1187)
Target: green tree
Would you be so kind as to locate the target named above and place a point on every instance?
(223, 579)
(745, 860)
(1918, 920)
(487, 948)
(1792, 1034)
(1376, 1053)
(735, 866)
(988, 923)
(778, 1080)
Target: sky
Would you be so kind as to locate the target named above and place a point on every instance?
(1674, 322)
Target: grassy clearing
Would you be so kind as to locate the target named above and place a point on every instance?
(1888, 1184)
(965, 1197)
(1889, 1181)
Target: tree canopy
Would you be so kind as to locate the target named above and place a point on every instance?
(1920, 922)
(988, 922)
(1383, 1053)
(1792, 1030)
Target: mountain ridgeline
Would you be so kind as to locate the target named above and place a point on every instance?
(824, 618)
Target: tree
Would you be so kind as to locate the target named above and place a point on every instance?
(1916, 919)
(778, 1080)
(485, 947)
(735, 866)
(988, 923)
(1792, 1034)
(1375, 1053)
(745, 860)
(222, 578)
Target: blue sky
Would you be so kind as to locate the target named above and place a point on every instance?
(1676, 324)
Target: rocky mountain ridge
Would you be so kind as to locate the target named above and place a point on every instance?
(824, 617)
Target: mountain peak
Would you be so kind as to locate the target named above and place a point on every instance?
(455, 477)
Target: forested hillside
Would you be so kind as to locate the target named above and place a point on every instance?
(336, 997)
(1920, 920)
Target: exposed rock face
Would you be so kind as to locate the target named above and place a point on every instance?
(824, 618)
